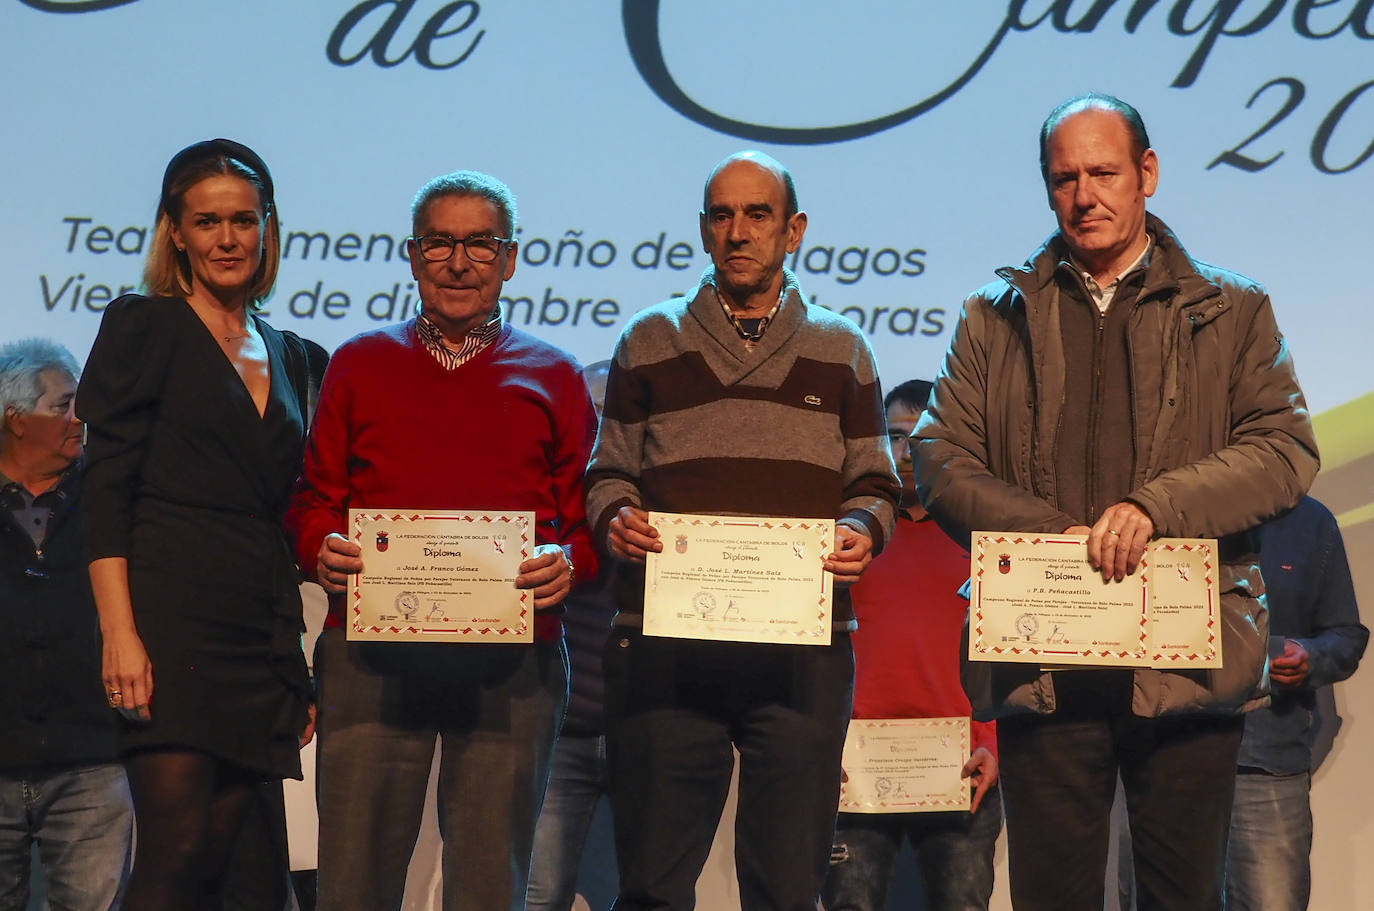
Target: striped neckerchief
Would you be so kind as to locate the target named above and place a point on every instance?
(473, 344)
(751, 339)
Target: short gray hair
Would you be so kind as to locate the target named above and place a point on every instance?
(21, 366)
(467, 183)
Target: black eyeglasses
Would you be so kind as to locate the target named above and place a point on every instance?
(480, 248)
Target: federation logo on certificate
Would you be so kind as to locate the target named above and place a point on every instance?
(742, 579)
(1046, 604)
(440, 576)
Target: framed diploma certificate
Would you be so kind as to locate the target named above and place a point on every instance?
(739, 579)
(905, 765)
(440, 576)
(1035, 598)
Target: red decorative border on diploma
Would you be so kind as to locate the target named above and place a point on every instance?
(525, 550)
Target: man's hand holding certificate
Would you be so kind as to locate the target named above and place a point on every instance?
(440, 575)
(1036, 598)
(739, 578)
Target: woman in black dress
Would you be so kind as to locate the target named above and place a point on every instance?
(194, 415)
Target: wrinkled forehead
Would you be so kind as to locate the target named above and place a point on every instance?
(56, 382)
(467, 213)
(745, 180)
(1090, 128)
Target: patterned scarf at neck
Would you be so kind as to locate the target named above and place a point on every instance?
(751, 339)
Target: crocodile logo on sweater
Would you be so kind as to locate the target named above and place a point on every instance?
(812, 400)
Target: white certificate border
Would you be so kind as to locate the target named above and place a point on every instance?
(1204, 549)
(362, 518)
(933, 804)
(817, 527)
(1030, 652)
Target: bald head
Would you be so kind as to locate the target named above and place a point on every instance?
(767, 163)
(1093, 101)
(749, 224)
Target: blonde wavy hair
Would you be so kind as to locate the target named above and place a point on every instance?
(167, 271)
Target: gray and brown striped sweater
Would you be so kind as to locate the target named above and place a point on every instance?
(696, 423)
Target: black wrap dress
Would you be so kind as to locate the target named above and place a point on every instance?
(189, 483)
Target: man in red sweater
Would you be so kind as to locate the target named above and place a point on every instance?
(906, 665)
(454, 409)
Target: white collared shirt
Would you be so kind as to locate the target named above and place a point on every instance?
(1103, 297)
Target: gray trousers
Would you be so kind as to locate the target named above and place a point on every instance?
(495, 710)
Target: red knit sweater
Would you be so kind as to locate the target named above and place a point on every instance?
(906, 651)
(510, 429)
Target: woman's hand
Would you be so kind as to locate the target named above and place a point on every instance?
(125, 669)
(128, 675)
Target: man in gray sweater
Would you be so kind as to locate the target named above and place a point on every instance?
(740, 398)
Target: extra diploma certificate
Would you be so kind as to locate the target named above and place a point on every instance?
(739, 578)
(905, 765)
(440, 576)
(1035, 598)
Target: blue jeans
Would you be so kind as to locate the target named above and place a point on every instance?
(577, 781)
(494, 710)
(1271, 839)
(82, 821)
(953, 850)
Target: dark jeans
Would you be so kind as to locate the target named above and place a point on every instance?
(674, 708)
(953, 850)
(494, 709)
(1058, 779)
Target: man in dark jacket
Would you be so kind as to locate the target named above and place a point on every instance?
(60, 786)
(578, 777)
(1116, 388)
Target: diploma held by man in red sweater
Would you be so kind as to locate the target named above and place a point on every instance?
(454, 410)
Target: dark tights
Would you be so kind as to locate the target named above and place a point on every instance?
(188, 807)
